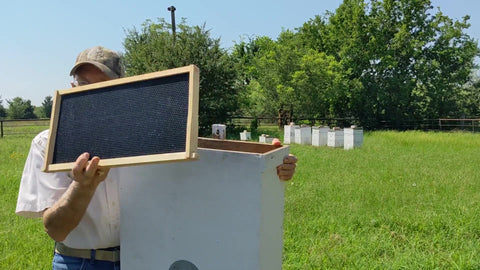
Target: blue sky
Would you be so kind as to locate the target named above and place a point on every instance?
(41, 39)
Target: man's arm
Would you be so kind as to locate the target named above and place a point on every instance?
(60, 219)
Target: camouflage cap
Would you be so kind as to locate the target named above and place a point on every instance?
(106, 60)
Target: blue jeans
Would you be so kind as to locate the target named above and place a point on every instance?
(61, 262)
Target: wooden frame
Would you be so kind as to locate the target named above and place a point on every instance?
(237, 146)
(191, 132)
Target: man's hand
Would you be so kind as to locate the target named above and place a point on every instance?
(286, 170)
(88, 174)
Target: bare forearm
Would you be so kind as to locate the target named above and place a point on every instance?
(60, 219)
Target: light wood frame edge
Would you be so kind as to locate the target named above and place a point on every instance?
(52, 136)
(127, 161)
(192, 119)
(192, 122)
(120, 81)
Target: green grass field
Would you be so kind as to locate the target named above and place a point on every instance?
(23, 244)
(405, 200)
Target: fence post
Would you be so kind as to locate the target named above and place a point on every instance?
(1, 129)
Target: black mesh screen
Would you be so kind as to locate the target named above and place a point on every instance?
(134, 119)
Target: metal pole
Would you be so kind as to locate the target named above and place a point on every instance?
(172, 10)
(1, 129)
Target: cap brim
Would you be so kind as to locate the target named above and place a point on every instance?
(100, 66)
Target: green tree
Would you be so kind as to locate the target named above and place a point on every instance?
(284, 76)
(410, 63)
(243, 56)
(19, 108)
(38, 111)
(152, 49)
(322, 88)
(267, 67)
(469, 100)
(3, 112)
(47, 106)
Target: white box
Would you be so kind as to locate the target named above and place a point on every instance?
(320, 136)
(245, 136)
(303, 135)
(264, 138)
(219, 131)
(335, 138)
(289, 134)
(222, 211)
(353, 137)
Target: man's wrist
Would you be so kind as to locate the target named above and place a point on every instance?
(80, 195)
(84, 189)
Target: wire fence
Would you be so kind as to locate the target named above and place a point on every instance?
(275, 121)
(28, 127)
(22, 127)
(443, 124)
(472, 125)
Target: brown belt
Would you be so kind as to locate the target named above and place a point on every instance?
(97, 254)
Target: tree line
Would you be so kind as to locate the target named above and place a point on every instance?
(19, 108)
(369, 60)
(374, 61)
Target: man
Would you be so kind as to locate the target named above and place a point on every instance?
(80, 209)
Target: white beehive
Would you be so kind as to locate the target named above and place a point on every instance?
(320, 135)
(353, 137)
(222, 211)
(303, 135)
(335, 137)
(264, 138)
(245, 135)
(289, 133)
(219, 131)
